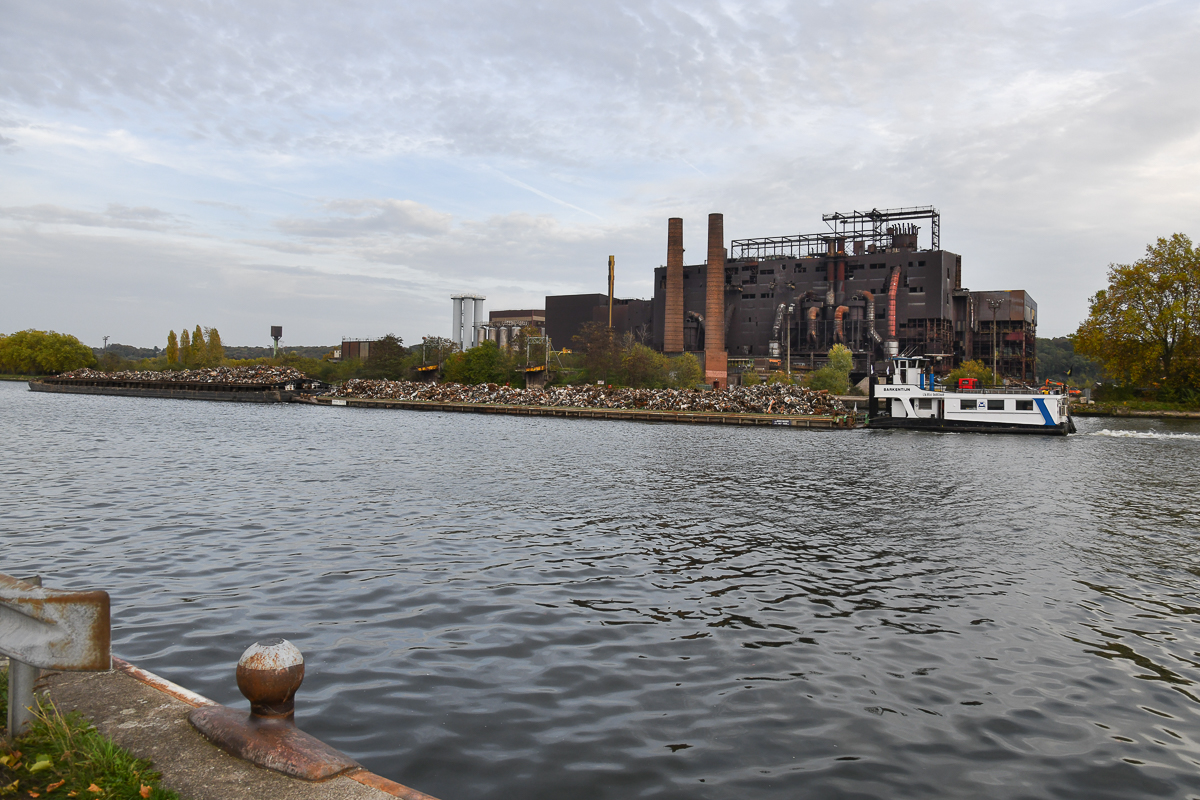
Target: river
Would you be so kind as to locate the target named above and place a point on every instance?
(499, 607)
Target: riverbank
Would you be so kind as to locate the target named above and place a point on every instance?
(146, 716)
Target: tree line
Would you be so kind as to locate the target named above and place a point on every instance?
(201, 348)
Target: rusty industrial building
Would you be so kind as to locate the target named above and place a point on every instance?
(865, 282)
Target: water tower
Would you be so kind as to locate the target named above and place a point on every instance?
(276, 334)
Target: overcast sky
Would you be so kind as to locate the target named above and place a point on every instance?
(342, 169)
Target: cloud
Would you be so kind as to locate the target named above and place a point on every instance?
(550, 135)
(370, 217)
(115, 216)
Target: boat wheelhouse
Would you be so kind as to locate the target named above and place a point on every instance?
(909, 397)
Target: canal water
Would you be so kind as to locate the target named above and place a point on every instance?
(499, 607)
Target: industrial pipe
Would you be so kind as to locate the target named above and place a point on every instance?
(893, 288)
(813, 312)
(838, 314)
(870, 298)
(773, 347)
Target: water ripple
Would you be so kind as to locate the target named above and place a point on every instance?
(498, 607)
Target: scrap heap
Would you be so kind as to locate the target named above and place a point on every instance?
(762, 399)
(258, 375)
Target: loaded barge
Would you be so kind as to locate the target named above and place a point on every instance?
(231, 385)
(909, 398)
(640, 415)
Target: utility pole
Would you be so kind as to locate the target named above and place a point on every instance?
(611, 265)
(994, 304)
(105, 350)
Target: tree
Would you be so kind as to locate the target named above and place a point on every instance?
(1145, 326)
(750, 378)
(388, 359)
(173, 347)
(33, 352)
(199, 349)
(483, 364)
(215, 350)
(601, 351)
(834, 377)
(971, 369)
(644, 367)
(685, 371)
(185, 348)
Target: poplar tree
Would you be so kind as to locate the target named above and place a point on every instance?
(216, 351)
(199, 351)
(185, 348)
(173, 347)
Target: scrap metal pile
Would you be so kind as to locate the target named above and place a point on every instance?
(761, 399)
(258, 375)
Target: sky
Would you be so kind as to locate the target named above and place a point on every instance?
(343, 169)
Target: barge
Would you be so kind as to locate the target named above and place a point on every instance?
(811, 421)
(909, 398)
(281, 391)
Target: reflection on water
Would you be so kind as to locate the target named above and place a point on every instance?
(500, 607)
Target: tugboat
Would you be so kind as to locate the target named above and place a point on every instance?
(910, 398)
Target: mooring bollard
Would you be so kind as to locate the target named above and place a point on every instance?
(268, 675)
(48, 629)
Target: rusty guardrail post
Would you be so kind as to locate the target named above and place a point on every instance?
(268, 674)
(48, 629)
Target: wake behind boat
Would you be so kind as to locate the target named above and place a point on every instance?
(910, 398)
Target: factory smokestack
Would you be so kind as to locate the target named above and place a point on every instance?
(673, 323)
(716, 369)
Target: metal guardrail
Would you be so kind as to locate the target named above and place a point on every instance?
(48, 629)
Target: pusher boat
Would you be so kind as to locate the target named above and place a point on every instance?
(910, 398)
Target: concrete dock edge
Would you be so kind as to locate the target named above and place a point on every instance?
(147, 715)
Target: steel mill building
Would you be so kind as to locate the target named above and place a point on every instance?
(865, 282)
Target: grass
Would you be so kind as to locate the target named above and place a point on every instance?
(19, 377)
(65, 756)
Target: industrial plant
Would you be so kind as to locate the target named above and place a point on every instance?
(867, 282)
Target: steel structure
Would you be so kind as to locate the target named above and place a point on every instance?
(876, 228)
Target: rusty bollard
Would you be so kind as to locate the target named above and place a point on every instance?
(268, 674)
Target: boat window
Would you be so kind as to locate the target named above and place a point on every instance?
(1024, 405)
(995, 405)
(966, 405)
(925, 403)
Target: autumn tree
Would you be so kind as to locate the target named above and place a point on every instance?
(1144, 327)
(971, 369)
(214, 350)
(199, 348)
(185, 348)
(33, 352)
(173, 347)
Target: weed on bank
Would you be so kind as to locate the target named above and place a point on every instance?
(65, 756)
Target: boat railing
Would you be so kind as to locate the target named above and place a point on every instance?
(997, 390)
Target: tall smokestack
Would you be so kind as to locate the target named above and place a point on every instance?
(673, 323)
(716, 369)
